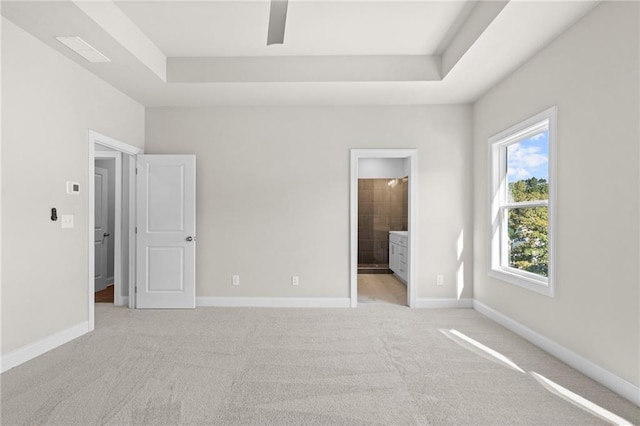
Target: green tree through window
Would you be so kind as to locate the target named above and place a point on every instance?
(528, 227)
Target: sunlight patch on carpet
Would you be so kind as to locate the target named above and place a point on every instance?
(579, 401)
(459, 337)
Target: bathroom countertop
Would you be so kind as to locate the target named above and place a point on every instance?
(405, 233)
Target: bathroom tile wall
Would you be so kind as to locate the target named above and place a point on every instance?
(382, 207)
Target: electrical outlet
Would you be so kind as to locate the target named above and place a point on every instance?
(295, 280)
(439, 279)
(235, 280)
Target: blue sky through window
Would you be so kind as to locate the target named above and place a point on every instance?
(529, 158)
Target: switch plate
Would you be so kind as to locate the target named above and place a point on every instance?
(73, 188)
(295, 280)
(66, 221)
(440, 280)
(235, 279)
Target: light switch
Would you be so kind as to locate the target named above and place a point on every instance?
(66, 221)
(73, 188)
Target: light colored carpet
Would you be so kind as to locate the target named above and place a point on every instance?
(377, 364)
(381, 288)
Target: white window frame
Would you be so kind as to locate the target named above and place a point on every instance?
(498, 202)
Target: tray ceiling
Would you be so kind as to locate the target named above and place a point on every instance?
(363, 52)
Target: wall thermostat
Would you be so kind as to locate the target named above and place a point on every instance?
(73, 188)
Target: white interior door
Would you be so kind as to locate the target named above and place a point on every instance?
(101, 227)
(166, 224)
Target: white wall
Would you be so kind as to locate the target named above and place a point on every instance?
(273, 192)
(382, 168)
(591, 74)
(48, 105)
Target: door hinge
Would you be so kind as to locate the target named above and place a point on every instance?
(136, 289)
(136, 170)
(136, 229)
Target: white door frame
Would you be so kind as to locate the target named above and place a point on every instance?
(412, 273)
(122, 148)
(117, 225)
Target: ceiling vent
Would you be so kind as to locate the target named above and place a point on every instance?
(83, 49)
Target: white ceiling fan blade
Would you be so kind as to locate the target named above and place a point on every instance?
(277, 21)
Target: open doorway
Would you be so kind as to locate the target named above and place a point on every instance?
(382, 230)
(113, 160)
(383, 225)
(105, 174)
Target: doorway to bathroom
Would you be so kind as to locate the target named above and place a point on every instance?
(383, 225)
(382, 231)
(382, 214)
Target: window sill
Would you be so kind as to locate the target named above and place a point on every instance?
(539, 285)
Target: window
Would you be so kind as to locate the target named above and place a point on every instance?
(521, 228)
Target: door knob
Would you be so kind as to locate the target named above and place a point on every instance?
(189, 238)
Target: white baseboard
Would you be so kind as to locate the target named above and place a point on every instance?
(32, 350)
(124, 300)
(586, 367)
(275, 302)
(444, 303)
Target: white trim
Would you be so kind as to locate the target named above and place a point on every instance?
(522, 279)
(525, 129)
(37, 348)
(353, 231)
(131, 299)
(586, 367)
(546, 119)
(117, 239)
(125, 148)
(93, 139)
(444, 303)
(412, 246)
(91, 219)
(274, 302)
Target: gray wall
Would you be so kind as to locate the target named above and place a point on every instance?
(273, 192)
(591, 74)
(48, 105)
